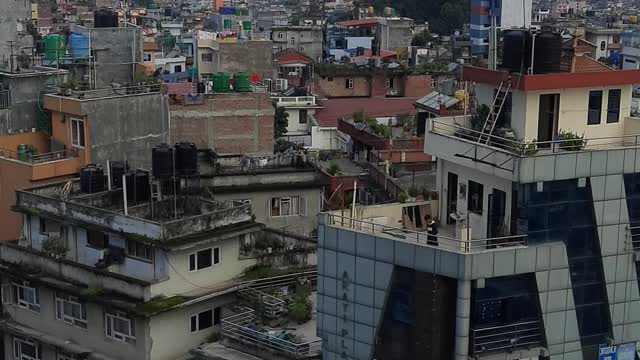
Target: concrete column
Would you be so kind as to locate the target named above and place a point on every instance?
(463, 310)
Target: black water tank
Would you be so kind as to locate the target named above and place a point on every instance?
(131, 187)
(162, 161)
(117, 170)
(516, 50)
(548, 53)
(91, 179)
(168, 11)
(142, 186)
(105, 18)
(186, 158)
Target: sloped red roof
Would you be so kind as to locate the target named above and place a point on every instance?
(292, 57)
(150, 46)
(587, 64)
(334, 109)
(383, 54)
(359, 22)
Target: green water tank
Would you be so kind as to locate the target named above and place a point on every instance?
(241, 82)
(55, 47)
(152, 6)
(295, 20)
(228, 24)
(246, 24)
(22, 152)
(221, 82)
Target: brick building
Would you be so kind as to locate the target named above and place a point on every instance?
(372, 84)
(231, 123)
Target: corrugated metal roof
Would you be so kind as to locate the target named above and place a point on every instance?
(434, 99)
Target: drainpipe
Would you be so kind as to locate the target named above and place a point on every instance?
(463, 310)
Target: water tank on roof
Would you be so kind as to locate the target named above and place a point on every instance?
(142, 186)
(54, 47)
(168, 11)
(186, 158)
(227, 24)
(371, 11)
(91, 179)
(162, 161)
(79, 44)
(516, 50)
(152, 6)
(221, 82)
(118, 169)
(548, 53)
(241, 82)
(295, 20)
(246, 25)
(387, 11)
(105, 18)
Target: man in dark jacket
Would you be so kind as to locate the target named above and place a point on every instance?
(432, 230)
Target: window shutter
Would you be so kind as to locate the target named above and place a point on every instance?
(6, 294)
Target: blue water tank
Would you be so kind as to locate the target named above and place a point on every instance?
(79, 44)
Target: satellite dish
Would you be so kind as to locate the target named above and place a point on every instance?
(457, 33)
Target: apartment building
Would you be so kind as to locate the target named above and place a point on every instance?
(536, 251)
(306, 39)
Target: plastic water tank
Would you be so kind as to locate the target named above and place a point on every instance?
(221, 82)
(117, 170)
(186, 158)
(247, 25)
(142, 186)
(91, 179)
(54, 47)
(105, 18)
(548, 53)
(162, 161)
(516, 50)
(228, 24)
(79, 44)
(241, 82)
(371, 11)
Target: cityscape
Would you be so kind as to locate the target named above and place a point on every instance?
(320, 180)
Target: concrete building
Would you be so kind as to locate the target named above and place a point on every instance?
(13, 27)
(20, 96)
(393, 33)
(172, 63)
(231, 123)
(138, 286)
(306, 39)
(300, 110)
(231, 56)
(508, 14)
(604, 40)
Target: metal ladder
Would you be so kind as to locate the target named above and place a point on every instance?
(494, 113)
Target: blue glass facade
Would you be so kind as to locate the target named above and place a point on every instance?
(563, 212)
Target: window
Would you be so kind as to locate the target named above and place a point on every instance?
(613, 106)
(207, 57)
(348, 83)
(603, 45)
(70, 310)
(279, 35)
(293, 40)
(43, 226)
(302, 118)
(77, 132)
(177, 68)
(119, 327)
(24, 349)
(389, 83)
(287, 206)
(301, 48)
(203, 259)
(147, 57)
(97, 239)
(595, 107)
(205, 319)
(139, 250)
(25, 296)
(475, 197)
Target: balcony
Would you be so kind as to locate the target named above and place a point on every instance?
(452, 243)
(526, 334)
(502, 155)
(295, 101)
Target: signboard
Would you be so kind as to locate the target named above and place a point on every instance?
(617, 352)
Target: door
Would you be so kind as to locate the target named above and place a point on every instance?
(452, 196)
(495, 218)
(548, 118)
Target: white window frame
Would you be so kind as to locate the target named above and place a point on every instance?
(17, 349)
(146, 57)
(61, 300)
(213, 259)
(349, 83)
(296, 205)
(75, 130)
(23, 303)
(109, 318)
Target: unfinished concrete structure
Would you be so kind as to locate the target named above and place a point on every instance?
(13, 27)
(231, 56)
(394, 33)
(306, 39)
(231, 123)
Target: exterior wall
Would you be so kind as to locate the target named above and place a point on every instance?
(170, 332)
(304, 39)
(597, 39)
(182, 281)
(394, 33)
(324, 138)
(336, 87)
(252, 56)
(171, 65)
(93, 337)
(229, 123)
(11, 12)
(261, 208)
(294, 125)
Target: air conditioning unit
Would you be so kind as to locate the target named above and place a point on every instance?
(282, 84)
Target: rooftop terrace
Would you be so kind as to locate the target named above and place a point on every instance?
(168, 219)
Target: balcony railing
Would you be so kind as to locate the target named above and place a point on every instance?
(241, 327)
(36, 159)
(296, 100)
(458, 245)
(524, 334)
(459, 127)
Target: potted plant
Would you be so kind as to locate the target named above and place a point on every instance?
(570, 141)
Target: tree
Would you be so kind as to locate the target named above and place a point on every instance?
(421, 39)
(280, 121)
(451, 17)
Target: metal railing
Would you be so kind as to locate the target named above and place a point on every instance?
(271, 306)
(5, 99)
(111, 91)
(505, 337)
(459, 245)
(35, 159)
(282, 280)
(633, 237)
(295, 100)
(526, 149)
(242, 327)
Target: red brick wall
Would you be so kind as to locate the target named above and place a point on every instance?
(228, 123)
(337, 89)
(378, 86)
(417, 85)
